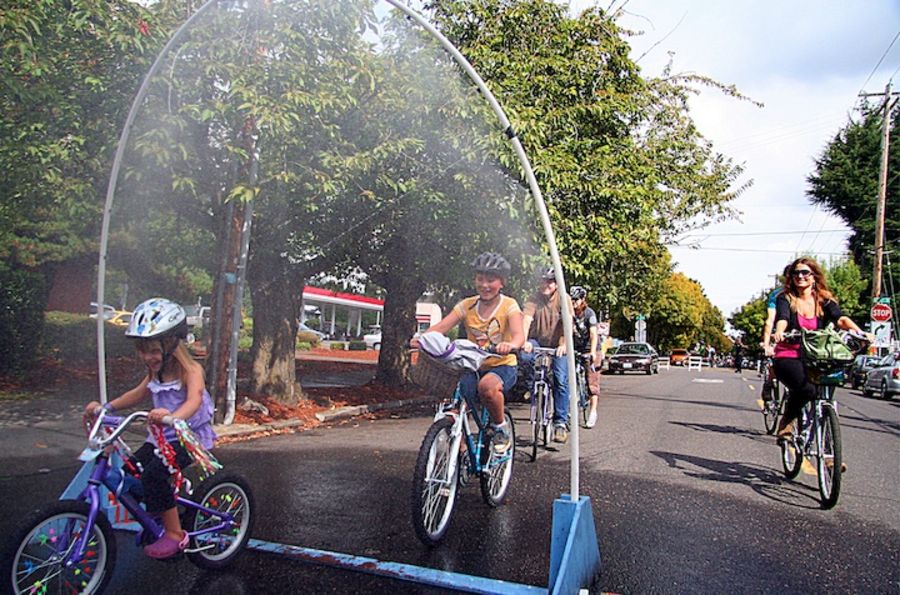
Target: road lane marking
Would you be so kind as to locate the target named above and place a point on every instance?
(807, 468)
(707, 381)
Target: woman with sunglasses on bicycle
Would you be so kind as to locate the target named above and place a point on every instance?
(805, 303)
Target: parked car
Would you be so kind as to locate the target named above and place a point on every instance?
(373, 340)
(197, 316)
(679, 357)
(856, 375)
(120, 318)
(634, 357)
(884, 377)
(108, 311)
(302, 327)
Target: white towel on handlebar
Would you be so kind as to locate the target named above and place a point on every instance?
(460, 354)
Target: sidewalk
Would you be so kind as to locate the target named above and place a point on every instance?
(51, 419)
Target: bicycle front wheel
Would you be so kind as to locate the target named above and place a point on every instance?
(434, 485)
(583, 397)
(497, 468)
(772, 409)
(829, 457)
(227, 493)
(41, 550)
(538, 419)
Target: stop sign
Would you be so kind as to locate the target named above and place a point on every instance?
(881, 313)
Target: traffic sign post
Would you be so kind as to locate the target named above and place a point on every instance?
(640, 330)
(881, 314)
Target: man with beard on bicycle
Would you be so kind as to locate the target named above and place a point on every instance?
(544, 328)
(584, 335)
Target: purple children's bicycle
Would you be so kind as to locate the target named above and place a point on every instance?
(68, 546)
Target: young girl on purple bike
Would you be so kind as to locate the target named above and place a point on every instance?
(175, 383)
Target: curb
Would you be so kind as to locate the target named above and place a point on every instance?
(237, 430)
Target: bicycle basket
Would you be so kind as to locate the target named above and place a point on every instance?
(434, 378)
(824, 350)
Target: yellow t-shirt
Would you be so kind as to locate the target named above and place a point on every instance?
(491, 330)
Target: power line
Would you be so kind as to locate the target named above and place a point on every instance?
(761, 251)
(871, 74)
(761, 233)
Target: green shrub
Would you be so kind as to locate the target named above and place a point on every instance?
(307, 337)
(303, 346)
(73, 338)
(357, 346)
(338, 345)
(22, 301)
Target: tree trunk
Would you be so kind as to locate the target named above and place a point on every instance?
(396, 330)
(219, 340)
(275, 316)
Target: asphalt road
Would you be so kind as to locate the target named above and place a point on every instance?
(687, 492)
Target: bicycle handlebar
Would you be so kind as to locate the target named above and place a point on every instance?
(120, 423)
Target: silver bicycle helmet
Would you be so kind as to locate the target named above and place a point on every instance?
(578, 292)
(157, 318)
(547, 274)
(492, 263)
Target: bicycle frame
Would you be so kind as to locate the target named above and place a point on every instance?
(543, 364)
(101, 475)
(458, 408)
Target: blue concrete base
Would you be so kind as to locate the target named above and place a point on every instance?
(574, 552)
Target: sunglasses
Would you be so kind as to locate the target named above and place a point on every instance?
(801, 273)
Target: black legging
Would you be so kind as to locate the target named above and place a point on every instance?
(158, 493)
(792, 374)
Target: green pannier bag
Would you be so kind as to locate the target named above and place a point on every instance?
(824, 348)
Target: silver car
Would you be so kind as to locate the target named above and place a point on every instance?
(884, 378)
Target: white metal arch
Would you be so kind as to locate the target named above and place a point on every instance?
(510, 133)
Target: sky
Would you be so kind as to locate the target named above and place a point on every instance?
(807, 61)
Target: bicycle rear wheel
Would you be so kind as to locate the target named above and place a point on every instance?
(40, 550)
(829, 457)
(791, 458)
(497, 468)
(434, 486)
(225, 493)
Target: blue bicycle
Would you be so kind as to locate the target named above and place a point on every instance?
(68, 546)
(442, 466)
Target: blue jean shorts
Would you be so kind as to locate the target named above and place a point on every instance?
(468, 383)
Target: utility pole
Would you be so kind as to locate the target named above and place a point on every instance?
(889, 103)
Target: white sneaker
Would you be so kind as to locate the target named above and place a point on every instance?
(500, 441)
(592, 420)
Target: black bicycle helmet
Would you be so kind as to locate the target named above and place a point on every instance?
(492, 263)
(578, 292)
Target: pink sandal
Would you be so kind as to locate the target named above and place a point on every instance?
(166, 547)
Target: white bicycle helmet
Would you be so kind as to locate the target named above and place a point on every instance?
(492, 263)
(157, 318)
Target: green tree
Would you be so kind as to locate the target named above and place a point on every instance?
(682, 316)
(847, 285)
(67, 73)
(617, 156)
(845, 182)
(749, 320)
